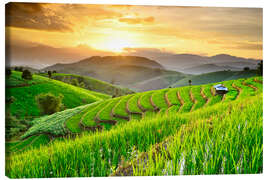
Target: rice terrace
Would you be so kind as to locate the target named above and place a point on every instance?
(117, 110)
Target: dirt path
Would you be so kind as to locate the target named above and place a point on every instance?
(213, 91)
(153, 104)
(223, 97)
(140, 105)
(180, 100)
(65, 123)
(204, 97)
(258, 81)
(128, 110)
(117, 115)
(192, 99)
(250, 85)
(167, 99)
(238, 89)
(83, 127)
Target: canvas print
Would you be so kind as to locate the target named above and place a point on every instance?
(128, 90)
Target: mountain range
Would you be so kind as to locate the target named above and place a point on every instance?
(127, 71)
(195, 64)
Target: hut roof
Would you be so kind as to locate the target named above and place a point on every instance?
(220, 87)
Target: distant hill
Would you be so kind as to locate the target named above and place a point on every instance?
(92, 84)
(195, 64)
(206, 68)
(159, 82)
(214, 77)
(118, 70)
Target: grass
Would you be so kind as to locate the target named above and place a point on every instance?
(92, 84)
(88, 119)
(200, 101)
(232, 94)
(208, 148)
(245, 90)
(25, 103)
(133, 103)
(184, 93)
(16, 80)
(172, 96)
(29, 143)
(145, 101)
(213, 77)
(53, 124)
(224, 144)
(105, 113)
(115, 109)
(159, 99)
(174, 109)
(258, 85)
(120, 108)
(71, 121)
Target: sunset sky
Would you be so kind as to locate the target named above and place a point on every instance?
(130, 29)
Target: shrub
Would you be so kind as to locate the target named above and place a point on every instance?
(246, 68)
(49, 103)
(27, 75)
(8, 72)
(260, 68)
(50, 74)
(75, 82)
(18, 69)
(82, 85)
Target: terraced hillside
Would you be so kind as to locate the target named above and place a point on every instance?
(92, 84)
(110, 112)
(24, 92)
(211, 135)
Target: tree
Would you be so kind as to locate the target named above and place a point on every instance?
(112, 81)
(8, 72)
(18, 69)
(75, 82)
(246, 69)
(50, 74)
(27, 75)
(260, 68)
(82, 85)
(189, 82)
(49, 103)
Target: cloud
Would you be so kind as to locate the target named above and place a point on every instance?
(40, 55)
(151, 53)
(35, 16)
(87, 11)
(246, 46)
(147, 20)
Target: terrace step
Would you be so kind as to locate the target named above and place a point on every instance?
(258, 81)
(238, 89)
(128, 109)
(192, 99)
(250, 85)
(204, 96)
(144, 109)
(167, 99)
(153, 104)
(113, 114)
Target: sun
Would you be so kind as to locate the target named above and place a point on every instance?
(117, 45)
